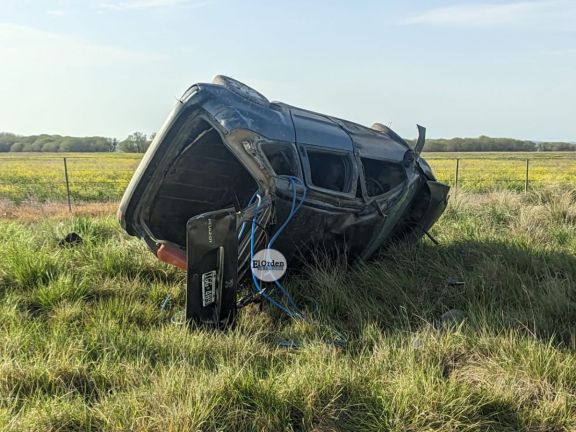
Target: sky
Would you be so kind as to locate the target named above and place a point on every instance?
(112, 67)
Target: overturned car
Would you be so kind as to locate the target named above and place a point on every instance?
(231, 173)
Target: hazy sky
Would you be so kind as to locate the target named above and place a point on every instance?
(111, 67)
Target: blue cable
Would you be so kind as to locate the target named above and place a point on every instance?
(259, 290)
(293, 210)
(340, 339)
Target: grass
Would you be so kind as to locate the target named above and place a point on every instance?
(100, 177)
(85, 345)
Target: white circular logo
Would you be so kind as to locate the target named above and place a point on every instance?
(268, 265)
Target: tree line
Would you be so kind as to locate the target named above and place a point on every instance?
(139, 142)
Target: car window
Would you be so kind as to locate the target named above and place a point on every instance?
(330, 171)
(282, 158)
(381, 176)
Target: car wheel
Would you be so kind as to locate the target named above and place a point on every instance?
(381, 128)
(240, 89)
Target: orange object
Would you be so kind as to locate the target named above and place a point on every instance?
(172, 255)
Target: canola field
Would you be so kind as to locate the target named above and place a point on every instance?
(489, 171)
(102, 177)
(92, 177)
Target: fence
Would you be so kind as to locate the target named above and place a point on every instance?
(71, 179)
(493, 172)
(75, 179)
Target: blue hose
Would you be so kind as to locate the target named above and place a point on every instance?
(259, 290)
(293, 210)
(340, 339)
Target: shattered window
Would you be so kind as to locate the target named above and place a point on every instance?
(330, 171)
(381, 176)
(281, 158)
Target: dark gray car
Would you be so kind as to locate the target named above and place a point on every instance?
(231, 172)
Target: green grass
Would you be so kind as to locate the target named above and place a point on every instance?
(85, 346)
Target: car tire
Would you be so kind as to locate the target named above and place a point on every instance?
(381, 128)
(241, 89)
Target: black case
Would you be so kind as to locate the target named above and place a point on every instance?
(212, 249)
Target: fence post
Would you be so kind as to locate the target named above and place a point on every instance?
(457, 173)
(526, 176)
(67, 185)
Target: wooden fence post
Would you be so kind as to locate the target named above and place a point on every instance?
(457, 173)
(67, 185)
(526, 176)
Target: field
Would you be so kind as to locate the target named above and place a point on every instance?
(91, 340)
(88, 341)
(101, 177)
(41, 177)
(480, 172)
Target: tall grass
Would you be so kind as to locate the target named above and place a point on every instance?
(86, 346)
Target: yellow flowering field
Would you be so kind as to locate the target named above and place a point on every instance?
(41, 177)
(493, 171)
(103, 176)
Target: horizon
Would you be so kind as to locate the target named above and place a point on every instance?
(405, 138)
(461, 69)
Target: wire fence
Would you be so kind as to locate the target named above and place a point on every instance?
(73, 180)
(505, 173)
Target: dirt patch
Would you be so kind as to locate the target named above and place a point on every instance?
(34, 211)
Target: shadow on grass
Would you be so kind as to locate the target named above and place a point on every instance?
(500, 286)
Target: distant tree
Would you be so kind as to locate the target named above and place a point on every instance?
(41, 141)
(71, 144)
(127, 146)
(112, 144)
(98, 144)
(485, 144)
(28, 147)
(135, 143)
(17, 147)
(51, 147)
